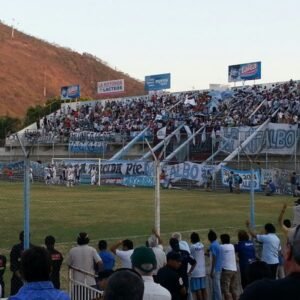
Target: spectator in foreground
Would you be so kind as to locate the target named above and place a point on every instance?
(215, 269)
(2, 270)
(107, 257)
(124, 284)
(125, 253)
(35, 270)
(229, 276)
(257, 270)
(271, 246)
(245, 251)
(85, 258)
(168, 276)
(155, 243)
(286, 288)
(56, 260)
(103, 279)
(198, 276)
(144, 262)
(15, 259)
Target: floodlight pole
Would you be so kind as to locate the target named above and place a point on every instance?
(26, 196)
(157, 190)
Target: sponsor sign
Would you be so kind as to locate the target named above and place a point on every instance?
(249, 71)
(70, 92)
(158, 82)
(111, 86)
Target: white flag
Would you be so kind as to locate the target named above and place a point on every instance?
(188, 130)
(203, 136)
(161, 133)
(178, 136)
(213, 137)
(190, 102)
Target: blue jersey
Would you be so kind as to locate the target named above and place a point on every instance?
(215, 250)
(108, 260)
(245, 251)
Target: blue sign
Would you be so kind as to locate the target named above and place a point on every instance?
(157, 82)
(70, 92)
(250, 71)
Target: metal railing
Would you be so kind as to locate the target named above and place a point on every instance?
(81, 290)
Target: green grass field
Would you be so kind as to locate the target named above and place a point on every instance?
(115, 213)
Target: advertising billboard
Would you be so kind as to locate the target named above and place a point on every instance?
(70, 92)
(110, 86)
(158, 82)
(243, 72)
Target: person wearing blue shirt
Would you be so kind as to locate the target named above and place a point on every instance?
(270, 188)
(35, 270)
(107, 257)
(246, 253)
(215, 272)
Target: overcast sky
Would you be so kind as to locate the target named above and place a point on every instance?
(194, 40)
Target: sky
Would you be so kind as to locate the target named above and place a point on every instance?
(194, 40)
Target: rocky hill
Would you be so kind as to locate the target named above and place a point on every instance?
(32, 70)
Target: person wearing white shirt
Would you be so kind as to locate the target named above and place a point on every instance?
(125, 253)
(198, 276)
(144, 262)
(271, 246)
(229, 275)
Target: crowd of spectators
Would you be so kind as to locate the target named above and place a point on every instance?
(168, 271)
(247, 105)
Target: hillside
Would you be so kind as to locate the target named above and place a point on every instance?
(28, 64)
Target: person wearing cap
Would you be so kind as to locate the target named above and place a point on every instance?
(186, 259)
(169, 278)
(285, 288)
(144, 262)
(84, 257)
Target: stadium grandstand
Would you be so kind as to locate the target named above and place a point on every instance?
(237, 127)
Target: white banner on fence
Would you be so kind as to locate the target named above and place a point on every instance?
(275, 139)
(189, 171)
(280, 177)
(246, 176)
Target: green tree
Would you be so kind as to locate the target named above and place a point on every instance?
(8, 125)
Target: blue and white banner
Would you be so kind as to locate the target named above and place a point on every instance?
(249, 71)
(70, 92)
(274, 139)
(189, 171)
(88, 147)
(88, 141)
(246, 176)
(158, 82)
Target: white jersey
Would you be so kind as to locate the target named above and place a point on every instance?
(70, 173)
(197, 252)
(228, 260)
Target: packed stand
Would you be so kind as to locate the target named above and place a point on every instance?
(111, 119)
